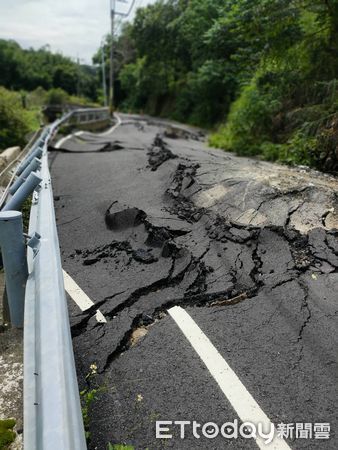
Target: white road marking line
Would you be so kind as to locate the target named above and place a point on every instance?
(241, 400)
(111, 130)
(62, 140)
(100, 317)
(80, 298)
(80, 133)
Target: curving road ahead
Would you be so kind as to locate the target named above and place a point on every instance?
(216, 281)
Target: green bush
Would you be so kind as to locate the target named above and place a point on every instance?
(272, 152)
(284, 115)
(56, 96)
(7, 435)
(37, 98)
(15, 121)
(249, 121)
(205, 95)
(301, 149)
(131, 82)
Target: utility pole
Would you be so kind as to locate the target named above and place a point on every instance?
(78, 88)
(112, 49)
(104, 81)
(113, 14)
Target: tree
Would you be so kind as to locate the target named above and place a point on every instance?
(29, 69)
(14, 120)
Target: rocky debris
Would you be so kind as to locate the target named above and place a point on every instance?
(159, 153)
(187, 211)
(117, 219)
(215, 262)
(176, 132)
(90, 261)
(182, 186)
(232, 264)
(111, 147)
(144, 256)
(183, 179)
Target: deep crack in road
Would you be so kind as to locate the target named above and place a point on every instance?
(150, 217)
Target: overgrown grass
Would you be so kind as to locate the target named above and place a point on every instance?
(7, 435)
(88, 396)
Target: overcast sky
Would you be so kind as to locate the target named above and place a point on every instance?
(73, 27)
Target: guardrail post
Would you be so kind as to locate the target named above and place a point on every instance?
(13, 250)
(24, 191)
(37, 153)
(32, 166)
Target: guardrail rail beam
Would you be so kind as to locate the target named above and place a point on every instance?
(24, 191)
(32, 166)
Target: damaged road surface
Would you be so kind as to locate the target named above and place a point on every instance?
(150, 218)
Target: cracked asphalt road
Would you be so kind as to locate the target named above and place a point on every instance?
(148, 218)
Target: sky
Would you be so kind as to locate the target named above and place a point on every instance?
(73, 27)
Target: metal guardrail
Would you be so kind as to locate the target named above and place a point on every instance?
(8, 173)
(52, 410)
(88, 115)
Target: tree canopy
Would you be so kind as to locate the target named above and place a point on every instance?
(29, 69)
(267, 69)
(262, 74)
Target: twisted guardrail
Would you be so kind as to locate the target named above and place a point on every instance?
(36, 299)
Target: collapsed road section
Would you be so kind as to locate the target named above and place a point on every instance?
(149, 218)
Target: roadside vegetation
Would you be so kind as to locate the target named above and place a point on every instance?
(261, 73)
(15, 120)
(26, 70)
(31, 79)
(7, 435)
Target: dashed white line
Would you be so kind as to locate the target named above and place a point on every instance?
(80, 298)
(234, 390)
